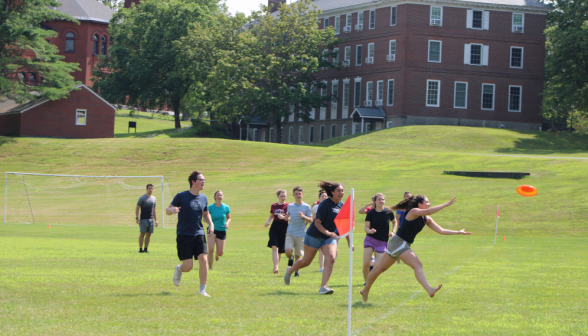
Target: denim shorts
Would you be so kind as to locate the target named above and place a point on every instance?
(317, 243)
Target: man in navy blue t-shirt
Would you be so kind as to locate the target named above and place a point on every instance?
(191, 207)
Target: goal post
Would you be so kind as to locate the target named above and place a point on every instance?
(79, 199)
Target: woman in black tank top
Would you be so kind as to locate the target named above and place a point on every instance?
(418, 211)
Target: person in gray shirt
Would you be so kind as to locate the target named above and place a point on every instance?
(146, 204)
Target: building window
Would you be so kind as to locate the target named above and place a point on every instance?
(347, 55)
(477, 19)
(436, 16)
(96, 44)
(357, 93)
(271, 135)
(435, 51)
(348, 23)
(301, 134)
(516, 57)
(461, 95)
(392, 51)
(70, 43)
(476, 54)
(311, 134)
(518, 22)
(369, 93)
(433, 92)
(514, 98)
(372, 19)
(390, 92)
(103, 48)
(393, 16)
(345, 94)
(487, 96)
(336, 56)
(368, 127)
(356, 128)
(370, 55)
(359, 21)
(326, 23)
(32, 79)
(379, 93)
(333, 131)
(81, 117)
(389, 124)
(322, 133)
(358, 55)
(344, 130)
(255, 134)
(281, 135)
(337, 24)
(291, 135)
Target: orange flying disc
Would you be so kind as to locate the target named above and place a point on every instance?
(527, 190)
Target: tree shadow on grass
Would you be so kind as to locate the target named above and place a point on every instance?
(6, 141)
(548, 143)
(144, 134)
(164, 293)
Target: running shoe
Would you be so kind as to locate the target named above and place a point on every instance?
(177, 276)
(203, 293)
(296, 273)
(321, 270)
(287, 276)
(326, 290)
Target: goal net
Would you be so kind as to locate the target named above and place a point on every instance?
(81, 200)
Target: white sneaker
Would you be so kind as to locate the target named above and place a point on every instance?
(287, 276)
(203, 293)
(326, 290)
(177, 276)
(321, 270)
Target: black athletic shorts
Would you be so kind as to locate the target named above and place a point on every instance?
(190, 246)
(221, 235)
(277, 236)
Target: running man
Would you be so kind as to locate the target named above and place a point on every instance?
(146, 204)
(191, 206)
(298, 215)
(221, 217)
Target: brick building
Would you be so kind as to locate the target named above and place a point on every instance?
(83, 114)
(472, 63)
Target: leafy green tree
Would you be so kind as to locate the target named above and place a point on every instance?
(144, 68)
(114, 4)
(566, 71)
(272, 66)
(23, 48)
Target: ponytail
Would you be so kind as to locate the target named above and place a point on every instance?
(410, 203)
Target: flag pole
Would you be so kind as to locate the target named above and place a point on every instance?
(351, 209)
(496, 231)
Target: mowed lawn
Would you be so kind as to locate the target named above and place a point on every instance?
(84, 278)
(88, 280)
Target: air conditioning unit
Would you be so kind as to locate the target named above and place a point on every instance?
(391, 58)
(333, 105)
(367, 103)
(517, 29)
(347, 29)
(378, 103)
(435, 22)
(346, 64)
(369, 60)
(359, 27)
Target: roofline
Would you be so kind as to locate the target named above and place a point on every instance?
(450, 3)
(371, 117)
(44, 100)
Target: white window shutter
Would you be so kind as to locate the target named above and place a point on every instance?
(441, 16)
(466, 54)
(469, 18)
(485, 53)
(486, 20)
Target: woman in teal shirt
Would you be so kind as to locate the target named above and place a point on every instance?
(221, 217)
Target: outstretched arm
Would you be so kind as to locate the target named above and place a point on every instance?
(416, 212)
(435, 227)
(362, 210)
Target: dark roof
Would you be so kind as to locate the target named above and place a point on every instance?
(256, 120)
(86, 10)
(369, 112)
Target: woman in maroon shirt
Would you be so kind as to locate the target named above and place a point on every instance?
(277, 232)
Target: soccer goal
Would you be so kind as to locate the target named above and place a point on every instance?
(80, 200)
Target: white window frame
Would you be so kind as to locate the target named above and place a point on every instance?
(311, 134)
(372, 19)
(300, 134)
(485, 19)
(356, 102)
(333, 131)
(392, 50)
(522, 23)
(388, 93)
(348, 22)
(493, 97)
(358, 56)
(484, 56)
(429, 51)
(360, 19)
(344, 130)
(440, 15)
(326, 23)
(380, 95)
(455, 95)
(348, 54)
(346, 88)
(85, 117)
(371, 50)
(520, 98)
(369, 94)
(337, 24)
(336, 57)
(522, 53)
(393, 15)
(438, 92)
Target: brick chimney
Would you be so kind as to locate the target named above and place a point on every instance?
(274, 4)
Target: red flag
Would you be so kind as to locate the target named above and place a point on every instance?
(342, 221)
(498, 213)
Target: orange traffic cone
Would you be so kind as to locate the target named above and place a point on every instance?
(504, 238)
(49, 225)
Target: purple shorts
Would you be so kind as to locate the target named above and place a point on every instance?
(378, 245)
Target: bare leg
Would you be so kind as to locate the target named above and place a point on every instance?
(411, 259)
(309, 254)
(202, 269)
(321, 260)
(211, 240)
(220, 248)
(186, 266)
(367, 258)
(330, 253)
(147, 239)
(289, 253)
(379, 257)
(141, 237)
(380, 268)
(276, 258)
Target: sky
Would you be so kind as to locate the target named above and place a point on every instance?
(245, 6)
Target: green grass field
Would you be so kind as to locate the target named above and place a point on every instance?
(88, 278)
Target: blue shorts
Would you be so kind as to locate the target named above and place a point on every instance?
(317, 243)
